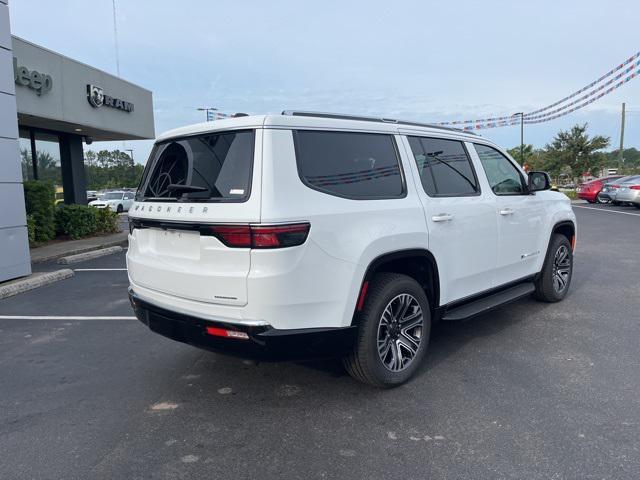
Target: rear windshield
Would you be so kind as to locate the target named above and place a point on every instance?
(208, 167)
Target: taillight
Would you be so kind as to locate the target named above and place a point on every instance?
(615, 186)
(635, 187)
(261, 236)
(232, 236)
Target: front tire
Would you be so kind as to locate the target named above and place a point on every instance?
(120, 209)
(393, 333)
(553, 283)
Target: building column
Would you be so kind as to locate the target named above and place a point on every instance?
(72, 165)
(14, 242)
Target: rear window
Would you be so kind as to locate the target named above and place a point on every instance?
(209, 167)
(348, 164)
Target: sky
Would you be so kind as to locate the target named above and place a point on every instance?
(425, 61)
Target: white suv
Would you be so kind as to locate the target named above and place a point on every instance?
(307, 234)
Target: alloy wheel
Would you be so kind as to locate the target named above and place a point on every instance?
(561, 269)
(400, 332)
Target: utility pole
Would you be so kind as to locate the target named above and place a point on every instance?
(620, 153)
(130, 150)
(206, 110)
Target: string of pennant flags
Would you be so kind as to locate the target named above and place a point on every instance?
(587, 99)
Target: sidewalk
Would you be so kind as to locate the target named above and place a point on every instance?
(72, 247)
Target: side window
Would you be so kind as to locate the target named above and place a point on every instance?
(349, 164)
(444, 166)
(503, 176)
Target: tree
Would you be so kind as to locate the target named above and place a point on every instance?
(111, 169)
(528, 154)
(577, 151)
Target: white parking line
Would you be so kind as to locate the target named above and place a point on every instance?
(610, 211)
(62, 317)
(99, 269)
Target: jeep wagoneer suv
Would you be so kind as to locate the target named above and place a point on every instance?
(306, 234)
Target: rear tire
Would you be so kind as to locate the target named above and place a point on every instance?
(393, 332)
(553, 283)
(120, 209)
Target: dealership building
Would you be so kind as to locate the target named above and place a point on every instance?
(50, 106)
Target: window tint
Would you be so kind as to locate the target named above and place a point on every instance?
(347, 164)
(503, 176)
(217, 166)
(444, 166)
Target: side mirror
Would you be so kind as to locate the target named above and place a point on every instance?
(539, 181)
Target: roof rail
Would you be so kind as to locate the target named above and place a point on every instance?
(341, 116)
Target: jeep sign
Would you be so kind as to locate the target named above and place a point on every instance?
(97, 98)
(40, 82)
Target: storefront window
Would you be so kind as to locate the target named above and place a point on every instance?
(47, 165)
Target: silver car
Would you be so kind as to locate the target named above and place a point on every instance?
(610, 189)
(629, 191)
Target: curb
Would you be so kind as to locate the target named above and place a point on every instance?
(34, 281)
(81, 257)
(119, 243)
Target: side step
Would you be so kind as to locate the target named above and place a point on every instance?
(484, 304)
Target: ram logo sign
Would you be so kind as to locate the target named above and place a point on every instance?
(97, 98)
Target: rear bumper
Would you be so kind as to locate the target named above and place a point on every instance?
(590, 196)
(264, 342)
(628, 196)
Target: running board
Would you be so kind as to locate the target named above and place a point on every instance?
(484, 304)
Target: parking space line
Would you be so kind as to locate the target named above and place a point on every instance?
(63, 317)
(99, 269)
(610, 211)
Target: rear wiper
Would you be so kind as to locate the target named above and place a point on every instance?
(173, 187)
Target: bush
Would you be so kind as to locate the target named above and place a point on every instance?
(107, 221)
(31, 229)
(39, 198)
(77, 221)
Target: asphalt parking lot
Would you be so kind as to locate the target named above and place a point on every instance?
(529, 391)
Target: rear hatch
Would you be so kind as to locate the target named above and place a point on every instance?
(191, 186)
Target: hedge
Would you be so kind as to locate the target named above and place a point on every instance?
(39, 199)
(31, 229)
(79, 221)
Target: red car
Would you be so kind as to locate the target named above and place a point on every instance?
(589, 190)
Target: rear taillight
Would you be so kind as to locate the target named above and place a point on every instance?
(635, 187)
(261, 236)
(615, 186)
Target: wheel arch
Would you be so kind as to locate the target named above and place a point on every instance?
(419, 264)
(566, 228)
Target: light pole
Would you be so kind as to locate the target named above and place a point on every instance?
(207, 110)
(130, 152)
(521, 136)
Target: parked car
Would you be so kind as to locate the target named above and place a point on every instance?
(589, 190)
(92, 195)
(117, 201)
(629, 191)
(610, 189)
(304, 234)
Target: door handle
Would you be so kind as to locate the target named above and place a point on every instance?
(442, 217)
(507, 211)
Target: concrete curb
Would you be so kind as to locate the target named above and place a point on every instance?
(33, 281)
(81, 257)
(119, 243)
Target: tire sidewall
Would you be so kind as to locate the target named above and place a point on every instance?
(369, 328)
(547, 280)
